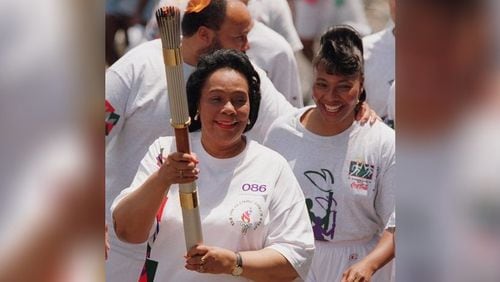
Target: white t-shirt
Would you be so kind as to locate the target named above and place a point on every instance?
(273, 54)
(249, 202)
(136, 91)
(348, 183)
(379, 53)
(312, 18)
(277, 15)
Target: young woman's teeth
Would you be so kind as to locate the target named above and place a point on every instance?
(227, 122)
(332, 108)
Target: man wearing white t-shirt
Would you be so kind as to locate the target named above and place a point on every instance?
(137, 111)
(267, 49)
(380, 59)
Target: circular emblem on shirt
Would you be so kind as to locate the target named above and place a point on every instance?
(247, 215)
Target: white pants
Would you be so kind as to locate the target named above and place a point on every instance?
(331, 260)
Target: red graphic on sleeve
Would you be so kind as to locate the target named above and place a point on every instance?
(111, 118)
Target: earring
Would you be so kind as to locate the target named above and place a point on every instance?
(248, 122)
(196, 115)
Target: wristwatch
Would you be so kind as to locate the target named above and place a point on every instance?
(238, 268)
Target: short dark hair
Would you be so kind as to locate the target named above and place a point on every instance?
(208, 64)
(341, 53)
(212, 16)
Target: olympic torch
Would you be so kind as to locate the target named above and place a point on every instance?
(168, 19)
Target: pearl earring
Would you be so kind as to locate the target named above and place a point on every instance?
(248, 122)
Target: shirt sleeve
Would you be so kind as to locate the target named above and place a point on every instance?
(117, 93)
(392, 221)
(385, 199)
(149, 164)
(290, 231)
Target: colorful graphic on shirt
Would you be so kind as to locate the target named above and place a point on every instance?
(361, 176)
(245, 217)
(323, 224)
(111, 118)
(361, 170)
(246, 214)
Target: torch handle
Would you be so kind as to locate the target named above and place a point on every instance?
(192, 226)
(182, 140)
(188, 194)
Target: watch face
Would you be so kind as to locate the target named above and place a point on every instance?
(237, 271)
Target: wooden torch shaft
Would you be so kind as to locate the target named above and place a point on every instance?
(182, 140)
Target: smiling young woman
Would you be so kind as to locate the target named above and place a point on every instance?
(336, 97)
(346, 170)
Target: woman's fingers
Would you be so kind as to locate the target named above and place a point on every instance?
(374, 117)
(197, 259)
(197, 250)
(188, 173)
(179, 168)
(181, 161)
(183, 157)
(351, 275)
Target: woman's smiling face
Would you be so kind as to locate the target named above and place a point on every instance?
(336, 96)
(224, 108)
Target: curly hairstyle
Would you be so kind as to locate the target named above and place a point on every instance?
(208, 64)
(341, 53)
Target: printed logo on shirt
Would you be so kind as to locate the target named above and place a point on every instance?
(361, 170)
(361, 176)
(111, 118)
(324, 220)
(246, 214)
